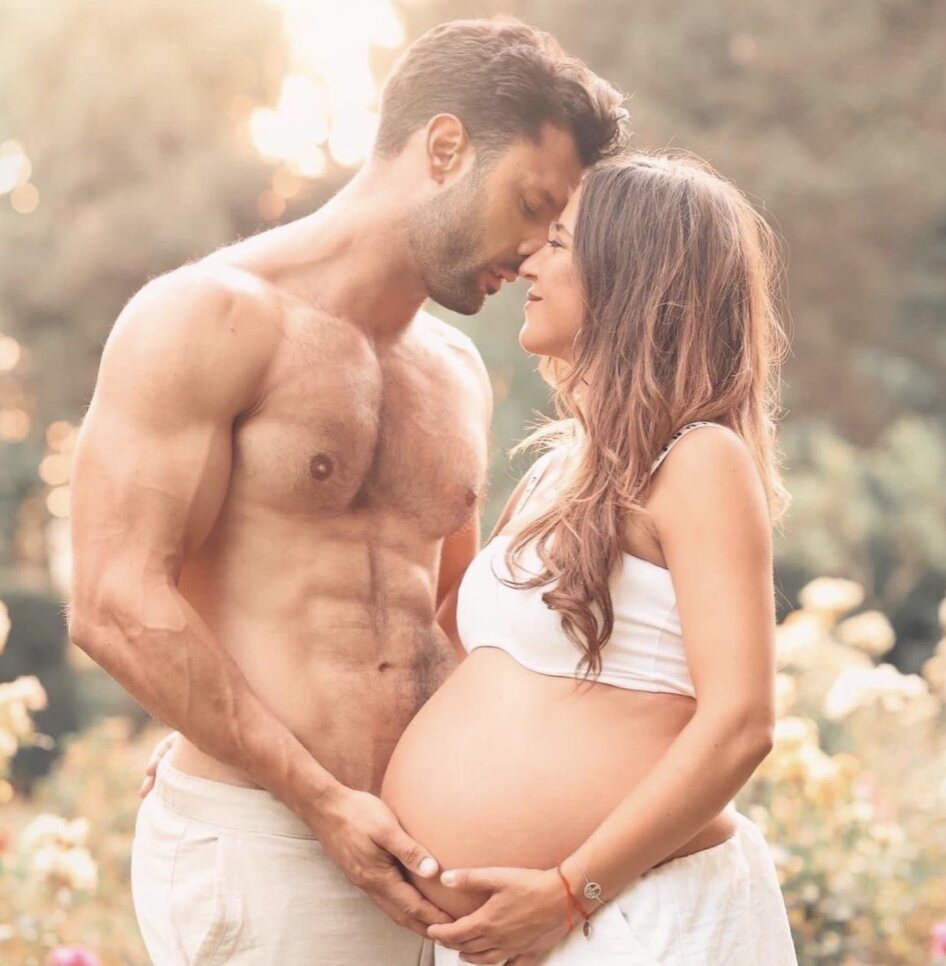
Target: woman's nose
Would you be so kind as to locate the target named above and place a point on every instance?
(528, 268)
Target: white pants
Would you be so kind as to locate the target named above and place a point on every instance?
(224, 874)
(718, 907)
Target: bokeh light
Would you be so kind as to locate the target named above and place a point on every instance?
(54, 469)
(57, 501)
(14, 424)
(330, 95)
(9, 353)
(25, 199)
(15, 167)
(61, 436)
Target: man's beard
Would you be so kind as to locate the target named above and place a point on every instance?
(445, 235)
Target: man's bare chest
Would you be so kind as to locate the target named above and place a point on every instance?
(348, 431)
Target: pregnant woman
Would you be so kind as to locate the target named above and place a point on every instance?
(575, 774)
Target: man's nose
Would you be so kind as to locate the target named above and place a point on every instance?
(533, 243)
(527, 269)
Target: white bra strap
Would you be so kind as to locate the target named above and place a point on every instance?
(538, 471)
(677, 436)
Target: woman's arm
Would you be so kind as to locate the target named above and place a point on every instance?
(713, 524)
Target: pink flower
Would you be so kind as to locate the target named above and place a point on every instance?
(72, 956)
(938, 935)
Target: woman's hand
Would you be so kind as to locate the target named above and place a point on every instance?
(526, 915)
(160, 750)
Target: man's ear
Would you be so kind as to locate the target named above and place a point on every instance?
(447, 145)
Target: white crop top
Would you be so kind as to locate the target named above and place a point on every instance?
(645, 651)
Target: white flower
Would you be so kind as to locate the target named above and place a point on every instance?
(44, 829)
(4, 625)
(29, 690)
(785, 694)
(852, 688)
(78, 869)
(798, 637)
(45, 860)
(73, 867)
(819, 767)
(8, 744)
(882, 686)
(796, 732)
(869, 631)
(75, 833)
(832, 594)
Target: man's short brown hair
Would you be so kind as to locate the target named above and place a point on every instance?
(503, 79)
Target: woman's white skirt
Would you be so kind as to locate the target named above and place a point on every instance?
(721, 906)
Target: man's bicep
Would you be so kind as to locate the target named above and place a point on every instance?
(458, 549)
(147, 494)
(154, 454)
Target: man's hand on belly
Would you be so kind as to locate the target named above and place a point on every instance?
(365, 840)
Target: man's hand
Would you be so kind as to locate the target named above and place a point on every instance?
(365, 841)
(160, 750)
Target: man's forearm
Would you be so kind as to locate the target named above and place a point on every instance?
(171, 663)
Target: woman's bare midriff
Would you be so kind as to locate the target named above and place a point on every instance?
(505, 766)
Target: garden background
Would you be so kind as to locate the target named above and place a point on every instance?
(136, 135)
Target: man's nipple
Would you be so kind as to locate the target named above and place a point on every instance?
(321, 466)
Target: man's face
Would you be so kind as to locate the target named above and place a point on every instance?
(475, 234)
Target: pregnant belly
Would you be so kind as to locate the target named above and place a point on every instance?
(506, 766)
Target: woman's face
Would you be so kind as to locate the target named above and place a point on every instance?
(555, 307)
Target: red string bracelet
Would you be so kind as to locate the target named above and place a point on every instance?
(571, 901)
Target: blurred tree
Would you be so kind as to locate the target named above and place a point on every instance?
(875, 515)
(834, 120)
(130, 116)
(37, 646)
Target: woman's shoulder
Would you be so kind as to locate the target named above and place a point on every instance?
(712, 436)
(708, 472)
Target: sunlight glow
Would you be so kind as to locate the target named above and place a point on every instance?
(330, 95)
(9, 353)
(15, 167)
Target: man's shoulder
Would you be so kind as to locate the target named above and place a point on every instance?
(205, 287)
(432, 327)
(197, 320)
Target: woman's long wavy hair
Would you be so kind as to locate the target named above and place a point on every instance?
(680, 277)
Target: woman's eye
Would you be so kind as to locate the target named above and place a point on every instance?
(554, 244)
(528, 210)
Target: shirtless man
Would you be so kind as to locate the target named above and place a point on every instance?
(275, 484)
